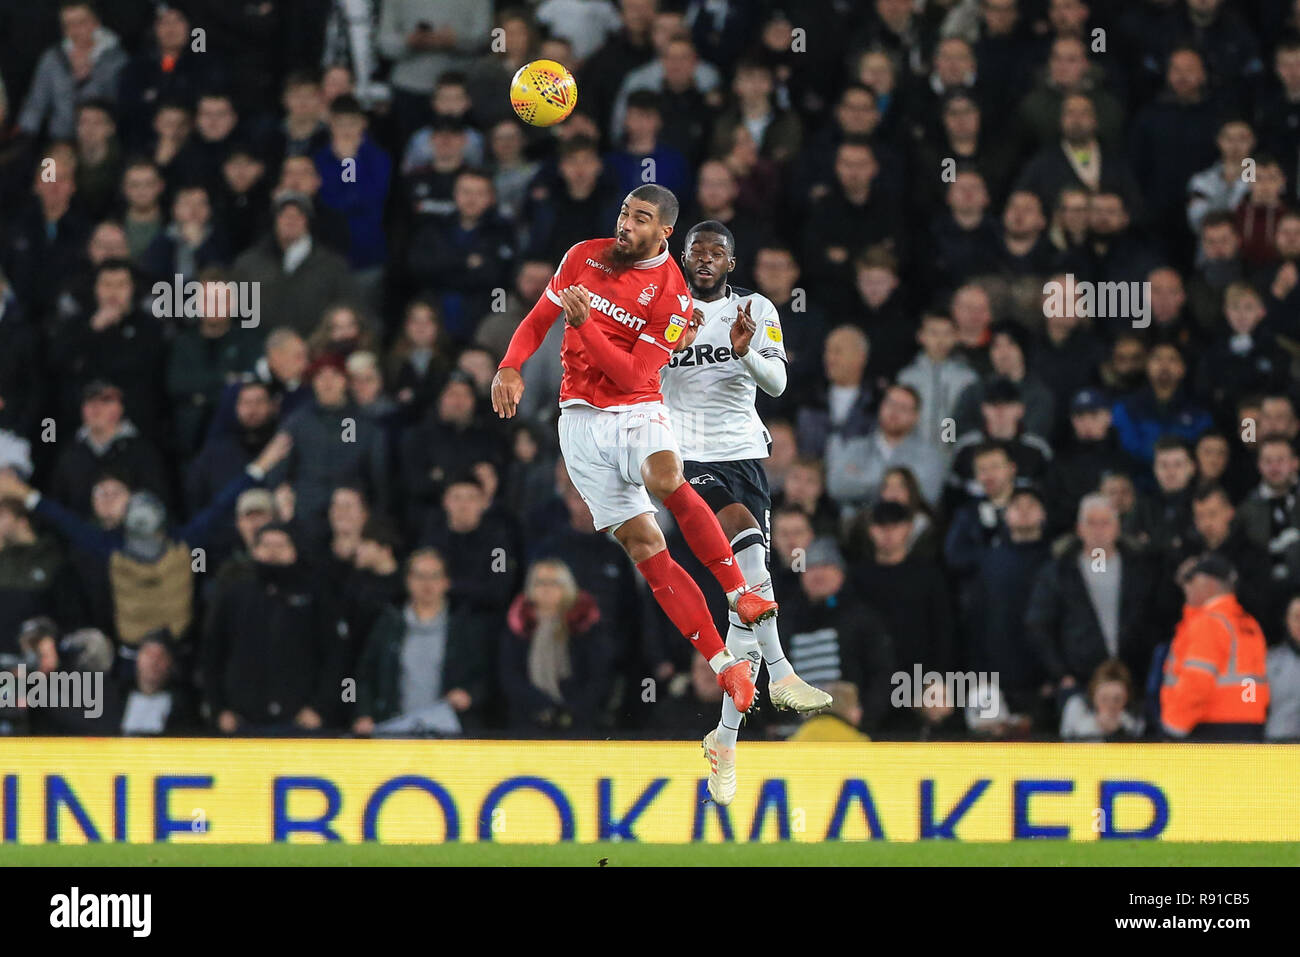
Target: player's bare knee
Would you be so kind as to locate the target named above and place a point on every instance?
(640, 537)
(734, 519)
(662, 474)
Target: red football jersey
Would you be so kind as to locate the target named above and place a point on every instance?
(649, 301)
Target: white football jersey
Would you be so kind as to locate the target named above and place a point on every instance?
(710, 393)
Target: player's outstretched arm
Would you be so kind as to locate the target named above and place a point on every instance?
(508, 385)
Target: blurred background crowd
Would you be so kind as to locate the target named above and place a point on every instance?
(259, 261)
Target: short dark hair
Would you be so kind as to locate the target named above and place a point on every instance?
(714, 227)
(476, 172)
(647, 100)
(988, 448)
(1275, 438)
(346, 105)
(791, 509)
(661, 198)
(578, 144)
(383, 533)
(775, 246)
(1170, 443)
(1219, 218)
(302, 78)
(115, 265)
(879, 256)
(464, 478)
(1208, 490)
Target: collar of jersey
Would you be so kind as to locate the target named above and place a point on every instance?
(654, 260)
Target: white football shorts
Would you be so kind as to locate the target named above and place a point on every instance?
(603, 450)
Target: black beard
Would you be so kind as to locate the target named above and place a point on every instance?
(619, 259)
(255, 439)
(700, 291)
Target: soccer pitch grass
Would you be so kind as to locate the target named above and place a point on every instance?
(624, 854)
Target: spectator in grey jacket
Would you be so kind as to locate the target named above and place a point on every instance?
(843, 406)
(939, 378)
(83, 66)
(424, 670)
(424, 39)
(333, 444)
(1284, 681)
(856, 466)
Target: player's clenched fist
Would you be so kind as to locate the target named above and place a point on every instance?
(692, 330)
(577, 304)
(507, 390)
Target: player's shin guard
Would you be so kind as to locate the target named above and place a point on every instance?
(741, 643)
(705, 537)
(751, 555)
(683, 603)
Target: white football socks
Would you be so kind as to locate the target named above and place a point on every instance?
(748, 643)
(753, 564)
(741, 643)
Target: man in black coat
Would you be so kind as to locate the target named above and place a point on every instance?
(994, 598)
(448, 442)
(117, 342)
(483, 552)
(42, 241)
(909, 592)
(465, 256)
(272, 652)
(1077, 155)
(830, 635)
(1079, 465)
(1093, 603)
(226, 454)
(106, 441)
(846, 220)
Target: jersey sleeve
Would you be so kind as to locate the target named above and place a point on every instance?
(670, 313)
(769, 337)
(564, 273)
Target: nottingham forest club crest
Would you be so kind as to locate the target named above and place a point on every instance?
(647, 294)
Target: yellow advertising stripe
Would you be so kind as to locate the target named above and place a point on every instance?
(258, 791)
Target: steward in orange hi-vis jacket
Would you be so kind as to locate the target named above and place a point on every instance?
(1215, 685)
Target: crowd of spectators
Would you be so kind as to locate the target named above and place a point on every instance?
(259, 261)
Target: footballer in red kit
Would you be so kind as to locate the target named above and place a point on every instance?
(627, 308)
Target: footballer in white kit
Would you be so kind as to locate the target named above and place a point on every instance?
(735, 346)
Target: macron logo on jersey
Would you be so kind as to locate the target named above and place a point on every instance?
(616, 312)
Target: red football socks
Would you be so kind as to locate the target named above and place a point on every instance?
(682, 601)
(704, 535)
